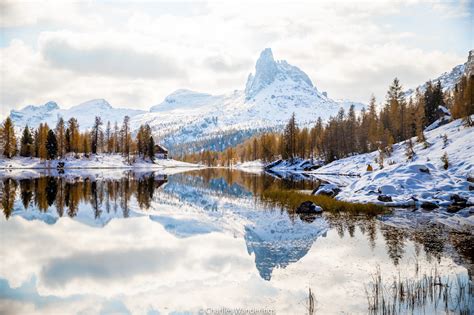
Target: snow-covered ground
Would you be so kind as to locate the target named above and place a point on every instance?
(421, 179)
(251, 166)
(94, 161)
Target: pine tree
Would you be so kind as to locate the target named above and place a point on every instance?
(96, 130)
(151, 149)
(433, 98)
(26, 143)
(51, 145)
(8, 138)
(395, 110)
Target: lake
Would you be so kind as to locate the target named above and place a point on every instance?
(206, 242)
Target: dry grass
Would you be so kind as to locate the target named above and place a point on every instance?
(291, 199)
(426, 293)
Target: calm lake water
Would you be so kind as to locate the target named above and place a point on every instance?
(204, 242)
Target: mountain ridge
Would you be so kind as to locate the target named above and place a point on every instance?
(187, 121)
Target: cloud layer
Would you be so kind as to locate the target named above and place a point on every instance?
(136, 54)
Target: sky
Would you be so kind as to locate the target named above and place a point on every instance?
(135, 53)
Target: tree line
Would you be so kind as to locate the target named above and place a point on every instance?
(66, 139)
(348, 133)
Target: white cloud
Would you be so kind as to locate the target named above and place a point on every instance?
(107, 58)
(134, 54)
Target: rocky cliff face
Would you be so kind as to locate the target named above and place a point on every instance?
(470, 64)
(267, 70)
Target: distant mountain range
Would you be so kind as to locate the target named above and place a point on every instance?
(188, 121)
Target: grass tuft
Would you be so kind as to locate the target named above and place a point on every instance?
(291, 199)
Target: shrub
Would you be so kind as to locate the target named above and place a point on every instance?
(445, 160)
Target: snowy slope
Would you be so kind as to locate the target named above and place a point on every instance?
(449, 79)
(85, 112)
(402, 179)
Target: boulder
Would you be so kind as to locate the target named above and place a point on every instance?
(309, 207)
(428, 205)
(454, 208)
(387, 190)
(330, 190)
(471, 188)
(458, 199)
(317, 184)
(424, 170)
(384, 198)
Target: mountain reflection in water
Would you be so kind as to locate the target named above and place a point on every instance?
(224, 207)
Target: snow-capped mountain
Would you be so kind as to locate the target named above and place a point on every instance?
(191, 120)
(85, 112)
(188, 120)
(449, 79)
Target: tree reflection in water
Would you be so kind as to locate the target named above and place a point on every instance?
(111, 195)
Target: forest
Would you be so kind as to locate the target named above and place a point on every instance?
(67, 139)
(347, 134)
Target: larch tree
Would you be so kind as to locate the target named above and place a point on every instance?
(108, 138)
(43, 130)
(75, 140)
(61, 137)
(9, 138)
(126, 139)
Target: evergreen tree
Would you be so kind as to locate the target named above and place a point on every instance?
(51, 145)
(96, 131)
(8, 138)
(26, 143)
(433, 98)
(151, 148)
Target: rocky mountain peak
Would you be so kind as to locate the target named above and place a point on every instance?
(267, 70)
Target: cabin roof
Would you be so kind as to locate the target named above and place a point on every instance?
(161, 147)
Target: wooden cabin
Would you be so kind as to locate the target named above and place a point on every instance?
(161, 152)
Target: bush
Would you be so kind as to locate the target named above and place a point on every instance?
(445, 160)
